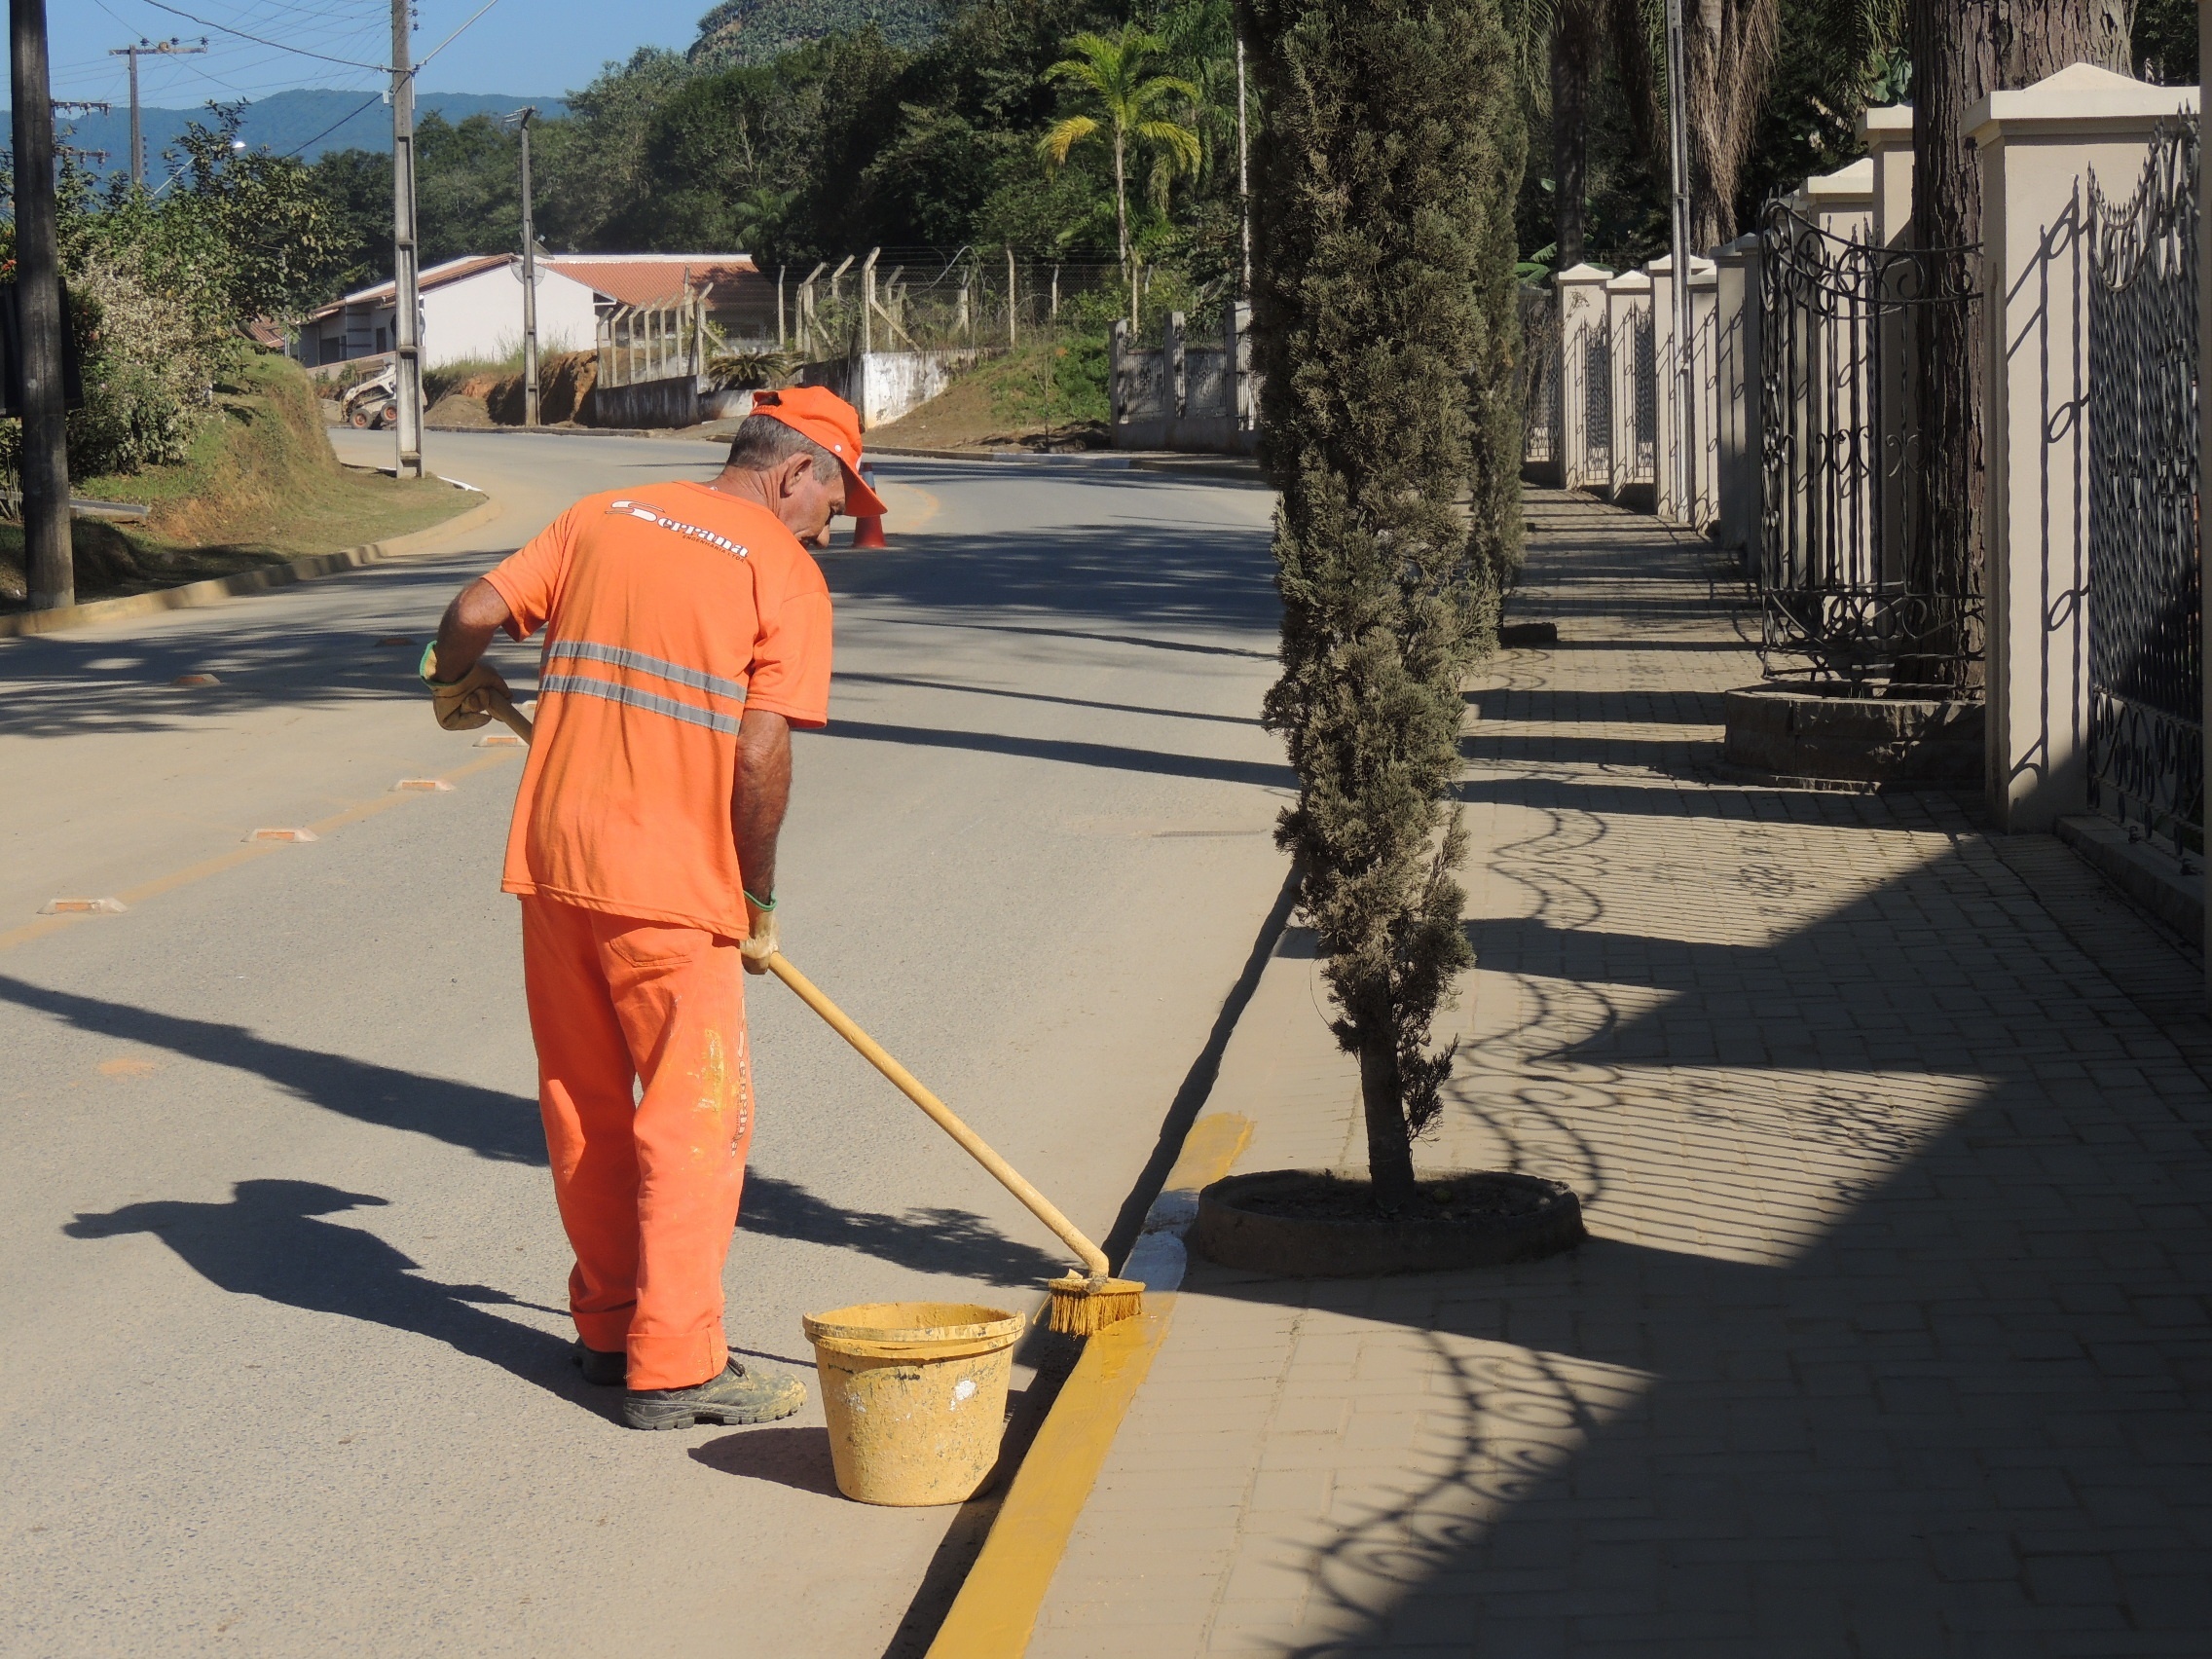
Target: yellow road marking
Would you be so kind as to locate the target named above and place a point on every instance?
(185, 877)
(996, 1610)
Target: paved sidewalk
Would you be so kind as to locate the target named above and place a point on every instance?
(1891, 1338)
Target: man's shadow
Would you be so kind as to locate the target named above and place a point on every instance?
(268, 1242)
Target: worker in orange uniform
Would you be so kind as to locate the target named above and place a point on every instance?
(687, 631)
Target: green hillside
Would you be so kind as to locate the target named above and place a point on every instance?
(739, 32)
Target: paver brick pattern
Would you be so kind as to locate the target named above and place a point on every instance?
(1890, 1337)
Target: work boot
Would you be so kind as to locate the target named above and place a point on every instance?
(741, 1394)
(601, 1369)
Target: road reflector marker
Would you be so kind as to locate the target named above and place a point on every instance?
(196, 680)
(282, 835)
(438, 783)
(498, 740)
(395, 639)
(82, 908)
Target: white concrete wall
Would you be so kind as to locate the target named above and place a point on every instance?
(481, 316)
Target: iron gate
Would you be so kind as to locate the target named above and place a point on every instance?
(1538, 371)
(2146, 637)
(1595, 348)
(1847, 588)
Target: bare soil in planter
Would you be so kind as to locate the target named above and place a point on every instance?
(1313, 1224)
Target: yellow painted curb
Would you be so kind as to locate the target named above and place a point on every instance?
(996, 1610)
(215, 589)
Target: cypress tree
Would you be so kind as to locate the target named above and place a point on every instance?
(1384, 322)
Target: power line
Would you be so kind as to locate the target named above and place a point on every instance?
(297, 51)
(334, 126)
(456, 35)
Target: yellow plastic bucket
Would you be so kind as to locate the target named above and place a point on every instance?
(915, 1394)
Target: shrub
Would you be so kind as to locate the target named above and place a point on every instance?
(1384, 323)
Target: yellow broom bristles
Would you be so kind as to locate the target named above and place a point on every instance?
(1083, 1307)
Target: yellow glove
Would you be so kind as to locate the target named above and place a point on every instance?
(461, 705)
(760, 943)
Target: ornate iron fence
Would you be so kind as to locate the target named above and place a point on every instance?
(1645, 363)
(1847, 588)
(2146, 592)
(1538, 374)
(1595, 347)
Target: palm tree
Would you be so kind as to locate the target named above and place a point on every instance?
(1132, 109)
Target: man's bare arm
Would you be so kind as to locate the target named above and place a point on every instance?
(476, 613)
(762, 792)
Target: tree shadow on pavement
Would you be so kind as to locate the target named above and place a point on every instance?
(1892, 1340)
(269, 1241)
(1109, 582)
(956, 1242)
(487, 1121)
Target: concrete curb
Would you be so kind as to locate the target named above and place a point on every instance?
(193, 596)
(996, 1610)
(2171, 889)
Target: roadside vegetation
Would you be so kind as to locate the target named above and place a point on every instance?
(254, 484)
(181, 410)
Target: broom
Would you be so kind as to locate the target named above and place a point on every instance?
(1082, 1303)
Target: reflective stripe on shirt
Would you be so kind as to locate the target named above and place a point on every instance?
(619, 657)
(584, 685)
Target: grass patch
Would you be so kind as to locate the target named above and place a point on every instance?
(1047, 396)
(259, 486)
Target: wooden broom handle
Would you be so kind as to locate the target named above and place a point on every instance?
(507, 715)
(1042, 1208)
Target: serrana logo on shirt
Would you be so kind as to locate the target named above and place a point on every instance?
(637, 509)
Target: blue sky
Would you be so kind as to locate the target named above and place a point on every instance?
(526, 47)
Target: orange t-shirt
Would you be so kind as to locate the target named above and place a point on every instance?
(668, 611)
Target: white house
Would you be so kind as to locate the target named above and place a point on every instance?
(472, 306)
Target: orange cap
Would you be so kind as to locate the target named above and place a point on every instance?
(831, 422)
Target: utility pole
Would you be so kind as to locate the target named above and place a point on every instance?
(170, 48)
(38, 299)
(1243, 178)
(1679, 132)
(523, 118)
(407, 312)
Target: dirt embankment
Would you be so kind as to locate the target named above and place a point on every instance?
(260, 485)
(564, 381)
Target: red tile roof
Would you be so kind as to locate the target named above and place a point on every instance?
(644, 279)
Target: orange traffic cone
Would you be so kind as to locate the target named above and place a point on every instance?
(869, 532)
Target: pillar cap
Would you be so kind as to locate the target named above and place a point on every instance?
(1846, 186)
(1583, 274)
(1887, 126)
(2081, 98)
(1630, 282)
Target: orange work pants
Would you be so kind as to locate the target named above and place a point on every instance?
(647, 1180)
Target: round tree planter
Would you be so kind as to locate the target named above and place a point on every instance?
(1280, 1222)
(1799, 731)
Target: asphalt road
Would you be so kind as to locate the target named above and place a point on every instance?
(285, 1367)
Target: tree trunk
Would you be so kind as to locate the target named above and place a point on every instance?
(1575, 59)
(1727, 50)
(1962, 51)
(1389, 1146)
(1122, 228)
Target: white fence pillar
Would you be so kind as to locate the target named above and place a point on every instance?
(1704, 389)
(1585, 410)
(1840, 202)
(1739, 461)
(2038, 146)
(1674, 431)
(1629, 347)
(1886, 134)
